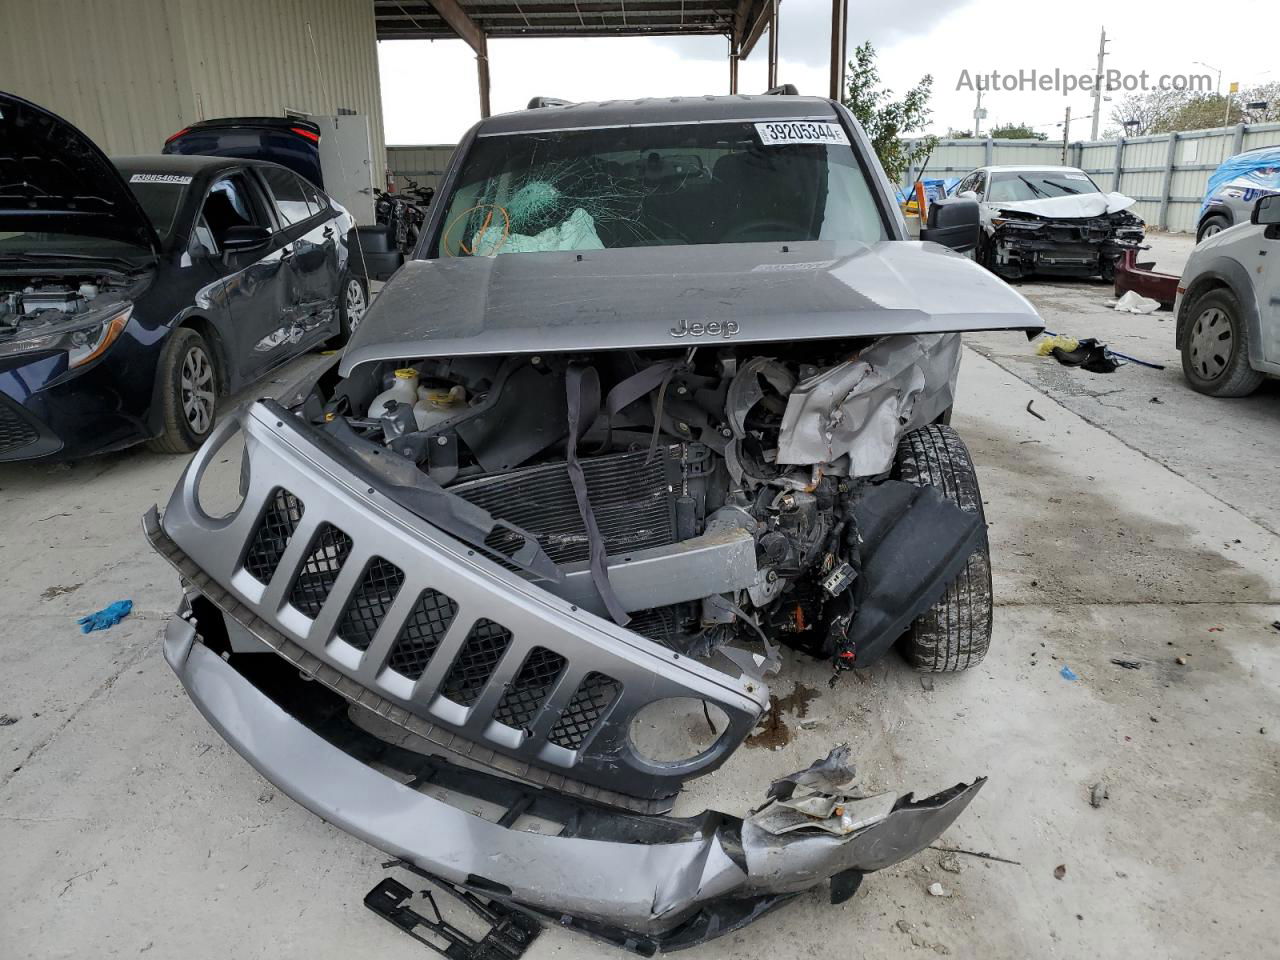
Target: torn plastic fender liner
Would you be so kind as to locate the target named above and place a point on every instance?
(644, 889)
(850, 417)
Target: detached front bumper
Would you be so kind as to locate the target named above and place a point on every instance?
(567, 824)
(644, 882)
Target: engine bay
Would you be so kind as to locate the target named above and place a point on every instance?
(707, 498)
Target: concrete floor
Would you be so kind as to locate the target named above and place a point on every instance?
(1119, 527)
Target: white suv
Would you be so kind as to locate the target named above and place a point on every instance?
(1228, 306)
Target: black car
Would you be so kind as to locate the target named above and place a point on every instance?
(134, 291)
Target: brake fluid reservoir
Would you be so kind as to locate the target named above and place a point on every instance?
(403, 390)
(436, 405)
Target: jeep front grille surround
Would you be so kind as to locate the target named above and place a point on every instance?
(381, 606)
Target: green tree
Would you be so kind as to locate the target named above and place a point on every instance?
(886, 119)
(954, 134)
(1201, 111)
(1016, 131)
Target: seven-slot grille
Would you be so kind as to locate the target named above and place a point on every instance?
(419, 636)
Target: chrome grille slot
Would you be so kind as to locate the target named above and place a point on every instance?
(279, 523)
(474, 666)
(329, 550)
(368, 606)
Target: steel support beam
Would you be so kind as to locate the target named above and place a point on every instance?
(773, 44)
(452, 13)
(839, 29)
(733, 66)
(482, 71)
(755, 31)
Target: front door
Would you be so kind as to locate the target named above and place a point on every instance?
(258, 285)
(307, 223)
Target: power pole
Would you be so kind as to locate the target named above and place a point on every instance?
(978, 115)
(1097, 84)
(1066, 135)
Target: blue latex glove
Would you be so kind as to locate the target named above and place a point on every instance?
(106, 617)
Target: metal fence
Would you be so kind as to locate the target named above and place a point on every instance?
(1166, 173)
(425, 163)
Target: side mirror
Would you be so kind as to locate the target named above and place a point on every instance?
(245, 237)
(1267, 210)
(953, 222)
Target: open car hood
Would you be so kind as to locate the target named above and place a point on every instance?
(681, 296)
(1081, 207)
(54, 178)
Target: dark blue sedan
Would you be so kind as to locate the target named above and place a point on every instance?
(135, 291)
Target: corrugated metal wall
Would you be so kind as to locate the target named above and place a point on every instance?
(105, 65)
(263, 57)
(131, 72)
(425, 163)
(1169, 189)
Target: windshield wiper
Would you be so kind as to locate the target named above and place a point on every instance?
(1063, 187)
(1034, 189)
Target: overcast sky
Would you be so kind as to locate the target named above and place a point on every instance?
(429, 87)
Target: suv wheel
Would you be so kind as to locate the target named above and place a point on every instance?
(188, 393)
(955, 632)
(1215, 352)
(1212, 225)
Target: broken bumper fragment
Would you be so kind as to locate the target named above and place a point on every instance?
(647, 882)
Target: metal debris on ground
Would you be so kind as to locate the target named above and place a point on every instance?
(1031, 411)
(1155, 400)
(510, 932)
(1127, 664)
(1086, 353)
(1181, 661)
(107, 617)
(7, 721)
(977, 853)
(1098, 793)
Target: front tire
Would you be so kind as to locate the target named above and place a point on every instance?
(353, 303)
(955, 633)
(188, 393)
(1211, 226)
(1215, 352)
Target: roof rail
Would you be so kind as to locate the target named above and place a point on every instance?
(783, 90)
(537, 102)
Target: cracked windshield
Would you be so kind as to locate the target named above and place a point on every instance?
(649, 186)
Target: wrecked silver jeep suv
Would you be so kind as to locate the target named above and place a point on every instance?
(665, 388)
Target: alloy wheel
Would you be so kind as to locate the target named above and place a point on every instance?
(356, 303)
(198, 396)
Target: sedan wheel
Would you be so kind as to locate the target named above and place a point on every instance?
(1210, 343)
(199, 397)
(356, 303)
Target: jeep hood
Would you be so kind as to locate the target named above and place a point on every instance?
(675, 296)
(53, 178)
(1080, 207)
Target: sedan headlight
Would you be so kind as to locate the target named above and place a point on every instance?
(88, 343)
(83, 340)
(1020, 224)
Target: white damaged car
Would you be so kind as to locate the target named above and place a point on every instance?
(1049, 220)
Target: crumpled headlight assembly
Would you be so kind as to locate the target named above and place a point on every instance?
(1017, 224)
(83, 342)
